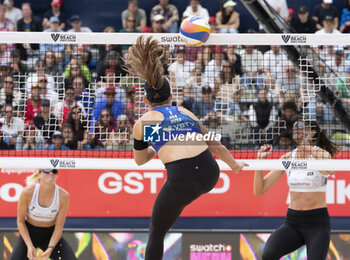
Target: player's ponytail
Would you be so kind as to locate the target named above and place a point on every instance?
(145, 61)
(322, 140)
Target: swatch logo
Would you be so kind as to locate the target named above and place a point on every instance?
(54, 162)
(55, 36)
(286, 164)
(285, 38)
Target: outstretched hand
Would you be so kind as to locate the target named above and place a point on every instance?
(239, 166)
(265, 151)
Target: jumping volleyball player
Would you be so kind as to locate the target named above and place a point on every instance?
(307, 221)
(191, 168)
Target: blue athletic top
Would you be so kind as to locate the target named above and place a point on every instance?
(174, 123)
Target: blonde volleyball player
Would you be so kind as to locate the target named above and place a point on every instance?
(42, 210)
(191, 168)
(307, 221)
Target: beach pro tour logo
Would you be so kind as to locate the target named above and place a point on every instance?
(57, 37)
(152, 133)
(297, 165)
(210, 251)
(298, 39)
(285, 38)
(286, 164)
(62, 163)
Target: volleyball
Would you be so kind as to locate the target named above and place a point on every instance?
(194, 31)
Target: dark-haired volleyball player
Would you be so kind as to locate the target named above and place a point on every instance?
(191, 168)
(307, 221)
(42, 210)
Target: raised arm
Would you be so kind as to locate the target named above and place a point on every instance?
(263, 183)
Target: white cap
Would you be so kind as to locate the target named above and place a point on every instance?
(328, 1)
(158, 17)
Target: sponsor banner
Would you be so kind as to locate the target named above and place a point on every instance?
(64, 37)
(131, 193)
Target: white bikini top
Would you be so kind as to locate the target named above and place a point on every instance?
(306, 181)
(45, 214)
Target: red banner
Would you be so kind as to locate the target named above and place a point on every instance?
(126, 193)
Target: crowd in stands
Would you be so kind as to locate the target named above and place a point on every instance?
(67, 97)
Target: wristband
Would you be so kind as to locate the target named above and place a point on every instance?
(51, 247)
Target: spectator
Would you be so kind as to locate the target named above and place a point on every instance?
(68, 136)
(18, 67)
(328, 26)
(83, 96)
(4, 53)
(57, 12)
(285, 123)
(157, 25)
(195, 9)
(262, 115)
(323, 10)
(214, 67)
(284, 142)
(138, 13)
(6, 25)
(46, 121)
(119, 92)
(114, 62)
(180, 69)
(205, 105)
(29, 23)
(62, 108)
(344, 25)
(33, 105)
(46, 93)
(12, 13)
(76, 22)
(30, 140)
(130, 28)
(252, 60)
(225, 79)
(5, 70)
(52, 66)
(33, 78)
(227, 19)
(77, 69)
(337, 63)
(109, 102)
(234, 59)
(275, 60)
(303, 23)
(103, 49)
(193, 87)
(288, 81)
(213, 24)
(79, 125)
(57, 142)
(103, 129)
(9, 95)
(11, 126)
(57, 48)
(343, 87)
(170, 14)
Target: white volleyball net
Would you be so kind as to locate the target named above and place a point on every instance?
(67, 102)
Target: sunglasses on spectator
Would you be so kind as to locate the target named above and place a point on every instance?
(105, 115)
(47, 171)
(132, 21)
(8, 111)
(43, 80)
(8, 82)
(70, 93)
